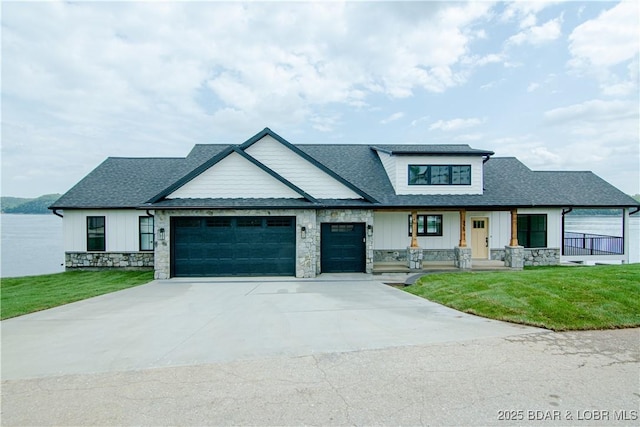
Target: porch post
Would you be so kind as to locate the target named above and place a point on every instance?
(414, 252)
(463, 228)
(461, 253)
(414, 229)
(514, 228)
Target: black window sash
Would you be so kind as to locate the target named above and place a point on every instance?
(439, 175)
(146, 233)
(428, 225)
(96, 233)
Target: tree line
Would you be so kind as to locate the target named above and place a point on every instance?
(21, 205)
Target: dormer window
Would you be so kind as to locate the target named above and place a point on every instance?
(439, 175)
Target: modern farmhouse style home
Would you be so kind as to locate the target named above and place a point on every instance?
(267, 207)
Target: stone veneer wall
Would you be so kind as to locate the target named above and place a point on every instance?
(100, 260)
(533, 256)
(346, 215)
(305, 248)
(400, 255)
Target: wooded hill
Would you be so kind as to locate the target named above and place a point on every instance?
(20, 205)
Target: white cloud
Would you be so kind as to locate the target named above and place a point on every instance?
(537, 35)
(533, 86)
(479, 61)
(325, 123)
(392, 118)
(419, 120)
(592, 111)
(469, 137)
(602, 46)
(127, 74)
(524, 10)
(601, 134)
(609, 39)
(455, 124)
(84, 80)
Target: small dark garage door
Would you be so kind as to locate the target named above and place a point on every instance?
(342, 248)
(233, 246)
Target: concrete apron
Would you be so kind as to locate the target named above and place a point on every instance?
(188, 322)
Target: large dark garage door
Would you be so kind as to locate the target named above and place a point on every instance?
(342, 248)
(233, 246)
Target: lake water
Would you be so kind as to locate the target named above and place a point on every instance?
(33, 244)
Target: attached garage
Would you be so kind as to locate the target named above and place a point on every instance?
(343, 248)
(233, 246)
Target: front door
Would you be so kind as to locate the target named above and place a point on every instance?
(480, 238)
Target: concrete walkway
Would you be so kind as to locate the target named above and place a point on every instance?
(187, 322)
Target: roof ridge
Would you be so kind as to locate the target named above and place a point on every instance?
(145, 158)
(561, 171)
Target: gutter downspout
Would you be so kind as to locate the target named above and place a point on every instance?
(55, 212)
(634, 212)
(149, 213)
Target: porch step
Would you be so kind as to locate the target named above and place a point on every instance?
(436, 267)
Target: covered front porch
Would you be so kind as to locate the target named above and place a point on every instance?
(446, 239)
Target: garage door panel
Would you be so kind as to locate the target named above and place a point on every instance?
(230, 246)
(342, 247)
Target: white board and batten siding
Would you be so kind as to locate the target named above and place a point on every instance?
(298, 170)
(397, 168)
(391, 231)
(234, 177)
(121, 229)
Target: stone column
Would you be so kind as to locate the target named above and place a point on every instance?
(514, 257)
(462, 257)
(414, 258)
(162, 253)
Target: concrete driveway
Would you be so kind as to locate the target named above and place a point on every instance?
(189, 322)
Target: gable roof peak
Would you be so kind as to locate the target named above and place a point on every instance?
(258, 136)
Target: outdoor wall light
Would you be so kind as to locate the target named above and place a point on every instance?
(161, 234)
(370, 230)
(303, 232)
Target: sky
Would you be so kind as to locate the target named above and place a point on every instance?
(554, 84)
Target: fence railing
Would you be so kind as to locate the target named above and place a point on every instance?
(592, 244)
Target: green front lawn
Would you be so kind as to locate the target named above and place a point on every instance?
(22, 295)
(557, 298)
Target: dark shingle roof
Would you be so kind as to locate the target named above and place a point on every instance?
(130, 182)
(122, 183)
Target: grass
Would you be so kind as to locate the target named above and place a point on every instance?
(557, 298)
(23, 295)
